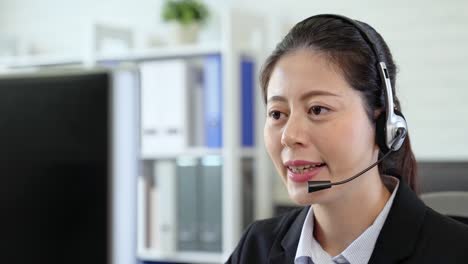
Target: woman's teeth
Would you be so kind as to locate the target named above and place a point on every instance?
(302, 169)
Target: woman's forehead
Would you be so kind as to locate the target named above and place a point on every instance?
(303, 71)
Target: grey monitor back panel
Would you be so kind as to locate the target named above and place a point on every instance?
(438, 176)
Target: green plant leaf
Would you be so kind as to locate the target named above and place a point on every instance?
(184, 11)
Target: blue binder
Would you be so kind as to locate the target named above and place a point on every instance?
(247, 102)
(213, 101)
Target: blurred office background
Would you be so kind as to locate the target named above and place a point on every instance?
(186, 166)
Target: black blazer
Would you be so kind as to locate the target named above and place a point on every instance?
(412, 233)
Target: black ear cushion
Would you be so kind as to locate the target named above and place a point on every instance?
(381, 131)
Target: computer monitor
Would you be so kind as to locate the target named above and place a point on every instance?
(68, 163)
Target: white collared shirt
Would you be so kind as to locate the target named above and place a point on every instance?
(309, 251)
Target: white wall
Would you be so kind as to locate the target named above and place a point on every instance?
(2, 8)
(61, 26)
(428, 40)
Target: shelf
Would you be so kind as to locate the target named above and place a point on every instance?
(185, 257)
(247, 152)
(181, 51)
(38, 61)
(192, 152)
(176, 51)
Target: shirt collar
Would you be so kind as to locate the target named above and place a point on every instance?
(360, 250)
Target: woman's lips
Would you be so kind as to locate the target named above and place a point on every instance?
(304, 176)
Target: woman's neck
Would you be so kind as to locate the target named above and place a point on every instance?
(337, 225)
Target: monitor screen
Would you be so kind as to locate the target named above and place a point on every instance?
(54, 168)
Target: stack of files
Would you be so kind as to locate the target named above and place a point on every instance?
(199, 203)
(182, 104)
(184, 205)
(213, 101)
(160, 207)
(164, 101)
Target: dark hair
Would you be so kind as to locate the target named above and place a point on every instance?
(344, 46)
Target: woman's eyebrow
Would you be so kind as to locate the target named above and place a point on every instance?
(278, 98)
(317, 93)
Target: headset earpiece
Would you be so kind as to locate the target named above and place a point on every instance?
(400, 123)
(381, 127)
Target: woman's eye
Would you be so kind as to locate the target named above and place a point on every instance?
(275, 115)
(317, 110)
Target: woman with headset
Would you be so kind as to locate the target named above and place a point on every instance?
(332, 113)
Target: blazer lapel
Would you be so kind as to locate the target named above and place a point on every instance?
(284, 248)
(400, 232)
(396, 241)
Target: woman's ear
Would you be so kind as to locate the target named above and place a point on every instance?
(377, 113)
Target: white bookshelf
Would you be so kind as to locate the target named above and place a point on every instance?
(189, 50)
(245, 152)
(38, 61)
(241, 34)
(11, 63)
(235, 42)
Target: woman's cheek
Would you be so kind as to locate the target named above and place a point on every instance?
(337, 146)
(273, 145)
(350, 143)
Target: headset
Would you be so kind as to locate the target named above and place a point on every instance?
(391, 126)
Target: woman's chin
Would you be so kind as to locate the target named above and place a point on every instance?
(298, 193)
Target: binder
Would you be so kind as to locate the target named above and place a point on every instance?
(142, 212)
(164, 110)
(165, 171)
(247, 102)
(211, 204)
(196, 107)
(212, 101)
(147, 207)
(247, 191)
(153, 212)
(187, 203)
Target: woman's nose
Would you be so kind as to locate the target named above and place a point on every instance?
(294, 134)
